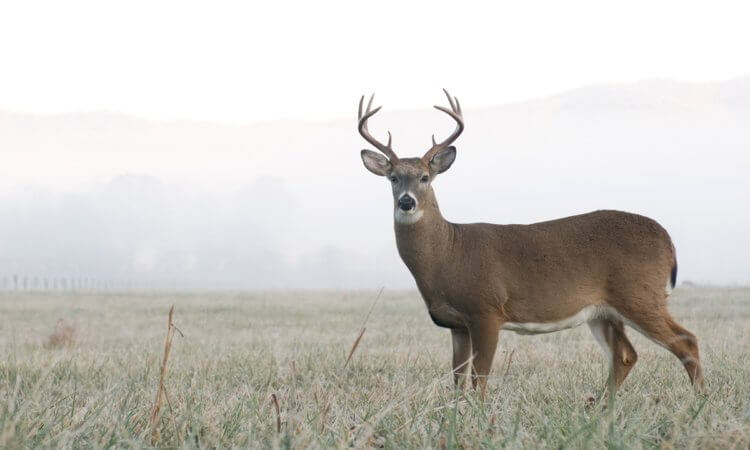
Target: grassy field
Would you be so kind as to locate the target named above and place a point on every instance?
(82, 370)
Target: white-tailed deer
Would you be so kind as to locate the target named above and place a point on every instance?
(605, 268)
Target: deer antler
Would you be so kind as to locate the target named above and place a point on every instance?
(363, 118)
(457, 115)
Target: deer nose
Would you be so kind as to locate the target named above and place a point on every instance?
(406, 203)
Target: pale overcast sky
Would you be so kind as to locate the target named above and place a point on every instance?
(287, 204)
(247, 61)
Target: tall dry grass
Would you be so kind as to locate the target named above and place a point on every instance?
(265, 370)
(161, 391)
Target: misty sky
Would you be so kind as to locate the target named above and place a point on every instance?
(215, 144)
(247, 61)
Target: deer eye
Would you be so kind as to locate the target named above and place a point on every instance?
(394, 179)
(425, 179)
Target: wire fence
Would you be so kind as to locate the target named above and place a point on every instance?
(31, 283)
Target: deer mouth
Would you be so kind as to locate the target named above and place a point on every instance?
(408, 217)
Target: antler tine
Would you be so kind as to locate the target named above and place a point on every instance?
(457, 115)
(450, 99)
(365, 132)
(369, 104)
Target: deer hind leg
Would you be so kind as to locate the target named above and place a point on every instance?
(618, 350)
(682, 343)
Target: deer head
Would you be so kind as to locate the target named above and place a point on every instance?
(410, 178)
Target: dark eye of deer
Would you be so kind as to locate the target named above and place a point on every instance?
(394, 179)
(425, 179)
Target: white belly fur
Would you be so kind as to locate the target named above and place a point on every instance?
(583, 316)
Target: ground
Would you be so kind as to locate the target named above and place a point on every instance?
(82, 370)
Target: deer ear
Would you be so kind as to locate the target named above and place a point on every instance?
(376, 163)
(443, 160)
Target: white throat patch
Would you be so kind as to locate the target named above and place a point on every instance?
(408, 218)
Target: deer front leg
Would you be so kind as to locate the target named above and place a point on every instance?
(462, 365)
(484, 334)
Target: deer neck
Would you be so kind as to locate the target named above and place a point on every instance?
(426, 240)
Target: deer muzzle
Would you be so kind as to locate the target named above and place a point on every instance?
(406, 203)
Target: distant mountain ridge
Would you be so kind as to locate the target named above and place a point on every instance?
(657, 93)
(732, 93)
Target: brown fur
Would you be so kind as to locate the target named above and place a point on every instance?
(476, 277)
